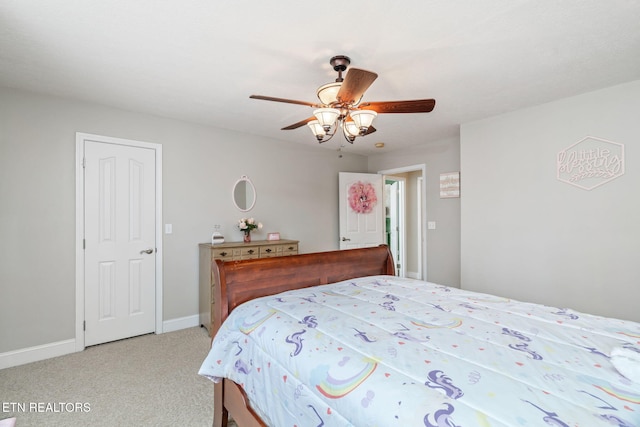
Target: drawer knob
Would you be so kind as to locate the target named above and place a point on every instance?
(268, 250)
(250, 251)
(223, 254)
(290, 248)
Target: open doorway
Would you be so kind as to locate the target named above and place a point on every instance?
(395, 220)
(411, 221)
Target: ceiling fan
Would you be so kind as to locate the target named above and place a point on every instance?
(341, 105)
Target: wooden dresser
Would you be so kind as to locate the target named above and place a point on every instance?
(232, 251)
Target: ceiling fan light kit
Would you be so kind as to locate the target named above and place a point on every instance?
(340, 105)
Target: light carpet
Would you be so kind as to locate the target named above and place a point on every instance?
(151, 380)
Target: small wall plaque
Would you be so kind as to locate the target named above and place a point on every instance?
(449, 185)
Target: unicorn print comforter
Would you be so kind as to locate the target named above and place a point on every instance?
(388, 351)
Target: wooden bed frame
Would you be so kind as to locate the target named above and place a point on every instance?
(241, 281)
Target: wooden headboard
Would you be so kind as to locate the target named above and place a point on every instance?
(241, 281)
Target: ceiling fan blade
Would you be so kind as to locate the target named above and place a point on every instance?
(288, 101)
(370, 129)
(355, 84)
(412, 106)
(299, 124)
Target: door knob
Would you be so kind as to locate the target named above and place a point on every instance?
(344, 239)
(146, 251)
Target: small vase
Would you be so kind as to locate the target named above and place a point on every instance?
(247, 237)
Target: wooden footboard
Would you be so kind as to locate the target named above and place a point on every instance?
(241, 281)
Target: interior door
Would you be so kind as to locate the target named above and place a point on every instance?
(120, 247)
(361, 210)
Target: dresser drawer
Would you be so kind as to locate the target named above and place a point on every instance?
(225, 254)
(291, 249)
(270, 251)
(248, 253)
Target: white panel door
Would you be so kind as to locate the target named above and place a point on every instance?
(120, 250)
(361, 208)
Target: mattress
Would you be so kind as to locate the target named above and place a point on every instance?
(389, 351)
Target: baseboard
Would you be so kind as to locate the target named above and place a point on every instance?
(413, 274)
(180, 323)
(36, 353)
(60, 348)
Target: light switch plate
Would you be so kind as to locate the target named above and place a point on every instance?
(431, 225)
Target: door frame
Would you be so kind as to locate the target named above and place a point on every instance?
(80, 282)
(423, 208)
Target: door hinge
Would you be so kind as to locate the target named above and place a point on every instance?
(84, 325)
(84, 244)
(84, 162)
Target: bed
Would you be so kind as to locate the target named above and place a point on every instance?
(334, 338)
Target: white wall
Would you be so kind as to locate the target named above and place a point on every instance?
(528, 236)
(297, 195)
(443, 243)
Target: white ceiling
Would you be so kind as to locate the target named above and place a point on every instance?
(199, 60)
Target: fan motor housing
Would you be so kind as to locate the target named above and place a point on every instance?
(340, 62)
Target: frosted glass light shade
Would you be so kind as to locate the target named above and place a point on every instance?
(326, 117)
(351, 129)
(363, 119)
(327, 94)
(317, 129)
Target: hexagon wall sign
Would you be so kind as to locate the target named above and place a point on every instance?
(590, 162)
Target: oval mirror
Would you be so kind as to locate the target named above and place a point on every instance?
(244, 194)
